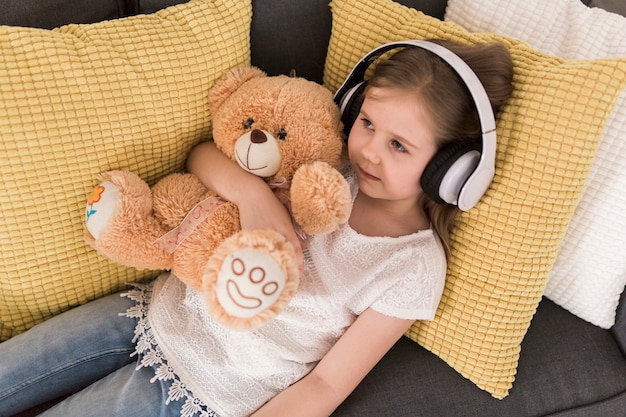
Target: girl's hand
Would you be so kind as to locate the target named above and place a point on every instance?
(258, 207)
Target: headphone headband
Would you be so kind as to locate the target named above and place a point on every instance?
(474, 186)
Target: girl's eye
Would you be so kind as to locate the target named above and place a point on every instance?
(248, 124)
(398, 146)
(281, 134)
(367, 124)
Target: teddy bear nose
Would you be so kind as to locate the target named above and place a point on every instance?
(257, 136)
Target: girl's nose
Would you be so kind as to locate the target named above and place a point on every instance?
(371, 152)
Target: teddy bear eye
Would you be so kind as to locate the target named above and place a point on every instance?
(248, 123)
(282, 134)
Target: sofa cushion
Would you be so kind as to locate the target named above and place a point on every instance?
(151, 6)
(613, 6)
(619, 328)
(590, 270)
(503, 249)
(566, 364)
(48, 14)
(75, 101)
(280, 44)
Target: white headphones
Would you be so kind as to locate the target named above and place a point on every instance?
(459, 173)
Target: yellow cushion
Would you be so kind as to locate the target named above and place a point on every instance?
(503, 249)
(74, 101)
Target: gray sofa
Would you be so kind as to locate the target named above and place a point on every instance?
(567, 367)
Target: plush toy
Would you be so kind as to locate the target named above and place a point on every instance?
(284, 129)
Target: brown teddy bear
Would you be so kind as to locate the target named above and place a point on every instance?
(286, 130)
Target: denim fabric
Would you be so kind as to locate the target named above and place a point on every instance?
(124, 393)
(65, 354)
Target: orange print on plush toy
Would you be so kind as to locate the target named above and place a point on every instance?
(284, 129)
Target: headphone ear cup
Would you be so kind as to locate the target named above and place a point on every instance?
(353, 101)
(441, 164)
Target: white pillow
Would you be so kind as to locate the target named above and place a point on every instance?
(589, 273)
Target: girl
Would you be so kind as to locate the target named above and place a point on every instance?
(361, 286)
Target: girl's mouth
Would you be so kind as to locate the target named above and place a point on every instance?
(367, 175)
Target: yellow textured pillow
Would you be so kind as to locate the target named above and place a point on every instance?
(503, 249)
(81, 99)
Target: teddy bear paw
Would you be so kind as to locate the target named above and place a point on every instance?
(102, 206)
(250, 279)
(320, 198)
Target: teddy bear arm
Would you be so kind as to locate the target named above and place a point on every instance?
(320, 198)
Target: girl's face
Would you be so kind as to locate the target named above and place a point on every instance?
(390, 144)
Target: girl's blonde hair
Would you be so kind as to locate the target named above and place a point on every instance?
(445, 96)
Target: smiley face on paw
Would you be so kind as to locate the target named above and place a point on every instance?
(248, 282)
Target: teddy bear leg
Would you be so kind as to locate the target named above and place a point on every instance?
(250, 278)
(120, 225)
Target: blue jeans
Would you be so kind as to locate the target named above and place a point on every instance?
(85, 351)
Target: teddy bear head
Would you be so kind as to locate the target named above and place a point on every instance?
(273, 125)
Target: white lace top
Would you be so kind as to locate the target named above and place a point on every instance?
(235, 372)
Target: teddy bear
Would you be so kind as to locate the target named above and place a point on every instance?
(286, 130)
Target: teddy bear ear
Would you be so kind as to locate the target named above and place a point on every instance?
(229, 83)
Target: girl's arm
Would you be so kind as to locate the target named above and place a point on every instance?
(258, 207)
(340, 371)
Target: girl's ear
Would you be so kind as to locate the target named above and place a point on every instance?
(229, 83)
